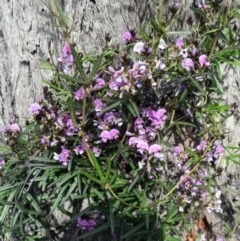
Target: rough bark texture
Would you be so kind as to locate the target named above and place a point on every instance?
(28, 26)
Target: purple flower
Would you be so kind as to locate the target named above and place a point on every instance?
(173, 7)
(127, 37)
(187, 64)
(35, 108)
(14, 128)
(183, 53)
(203, 60)
(157, 118)
(161, 64)
(219, 150)
(138, 124)
(177, 151)
(80, 149)
(202, 146)
(86, 225)
(99, 106)
(202, 4)
(109, 135)
(66, 59)
(138, 47)
(2, 163)
(162, 45)
(155, 150)
(99, 83)
(179, 43)
(63, 157)
(142, 146)
(133, 141)
(80, 94)
(194, 51)
(45, 140)
(96, 151)
(114, 133)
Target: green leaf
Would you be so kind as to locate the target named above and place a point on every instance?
(72, 111)
(133, 230)
(58, 199)
(112, 106)
(5, 210)
(99, 194)
(218, 85)
(61, 15)
(46, 65)
(51, 85)
(78, 64)
(185, 123)
(91, 177)
(199, 12)
(72, 79)
(95, 163)
(98, 231)
(197, 85)
(96, 66)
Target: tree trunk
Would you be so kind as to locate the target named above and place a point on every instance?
(27, 27)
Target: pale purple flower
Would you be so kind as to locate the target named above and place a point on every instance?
(114, 134)
(187, 64)
(66, 59)
(2, 163)
(113, 85)
(219, 150)
(80, 149)
(177, 151)
(183, 53)
(202, 145)
(109, 135)
(138, 124)
(202, 173)
(179, 43)
(138, 47)
(35, 108)
(173, 7)
(96, 151)
(127, 37)
(202, 4)
(133, 141)
(194, 51)
(162, 45)
(203, 60)
(161, 64)
(3, 129)
(99, 106)
(155, 150)
(14, 127)
(80, 94)
(63, 157)
(45, 140)
(151, 133)
(142, 146)
(105, 135)
(157, 117)
(86, 225)
(99, 83)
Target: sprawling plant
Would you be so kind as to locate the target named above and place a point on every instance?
(138, 132)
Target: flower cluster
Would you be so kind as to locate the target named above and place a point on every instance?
(66, 59)
(86, 225)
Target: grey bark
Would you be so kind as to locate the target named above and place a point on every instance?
(28, 26)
